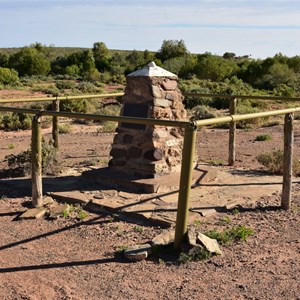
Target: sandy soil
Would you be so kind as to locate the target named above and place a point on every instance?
(70, 259)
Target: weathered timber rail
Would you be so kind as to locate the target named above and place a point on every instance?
(190, 131)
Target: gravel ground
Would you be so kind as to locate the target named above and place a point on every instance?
(71, 259)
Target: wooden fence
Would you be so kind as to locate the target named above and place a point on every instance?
(190, 129)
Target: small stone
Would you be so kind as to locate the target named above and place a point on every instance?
(164, 239)
(192, 236)
(171, 96)
(204, 212)
(48, 200)
(161, 134)
(156, 91)
(138, 252)
(57, 211)
(134, 152)
(117, 153)
(128, 138)
(170, 85)
(173, 142)
(154, 154)
(210, 244)
(33, 213)
(161, 102)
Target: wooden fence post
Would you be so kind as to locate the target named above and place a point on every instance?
(185, 184)
(232, 132)
(287, 161)
(36, 172)
(55, 105)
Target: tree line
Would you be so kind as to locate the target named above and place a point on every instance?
(279, 75)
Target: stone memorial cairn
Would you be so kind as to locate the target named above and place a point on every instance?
(147, 151)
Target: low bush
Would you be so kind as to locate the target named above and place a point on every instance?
(263, 137)
(47, 89)
(79, 106)
(244, 108)
(8, 76)
(15, 121)
(87, 87)
(20, 164)
(64, 128)
(109, 110)
(107, 126)
(201, 112)
(273, 161)
(236, 233)
(65, 84)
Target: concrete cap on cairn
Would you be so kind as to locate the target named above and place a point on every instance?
(152, 70)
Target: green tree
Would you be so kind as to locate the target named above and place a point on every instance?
(294, 63)
(174, 64)
(72, 70)
(251, 71)
(4, 58)
(101, 56)
(148, 56)
(171, 49)
(229, 55)
(214, 67)
(279, 74)
(28, 61)
(188, 69)
(88, 67)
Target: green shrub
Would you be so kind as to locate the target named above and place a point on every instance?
(195, 254)
(87, 87)
(273, 161)
(107, 126)
(15, 121)
(244, 108)
(8, 76)
(64, 128)
(80, 106)
(239, 232)
(65, 85)
(203, 112)
(263, 137)
(48, 89)
(109, 110)
(20, 164)
(72, 70)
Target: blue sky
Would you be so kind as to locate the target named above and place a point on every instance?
(259, 28)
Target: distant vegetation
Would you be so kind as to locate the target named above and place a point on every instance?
(62, 71)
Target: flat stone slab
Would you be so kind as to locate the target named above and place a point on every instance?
(108, 178)
(72, 197)
(33, 213)
(213, 189)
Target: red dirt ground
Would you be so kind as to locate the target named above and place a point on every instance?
(70, 259)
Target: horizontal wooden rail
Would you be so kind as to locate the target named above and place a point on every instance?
(235, 118)
(133, 120)
(278, 98)
(95, 96)
(41, 99)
